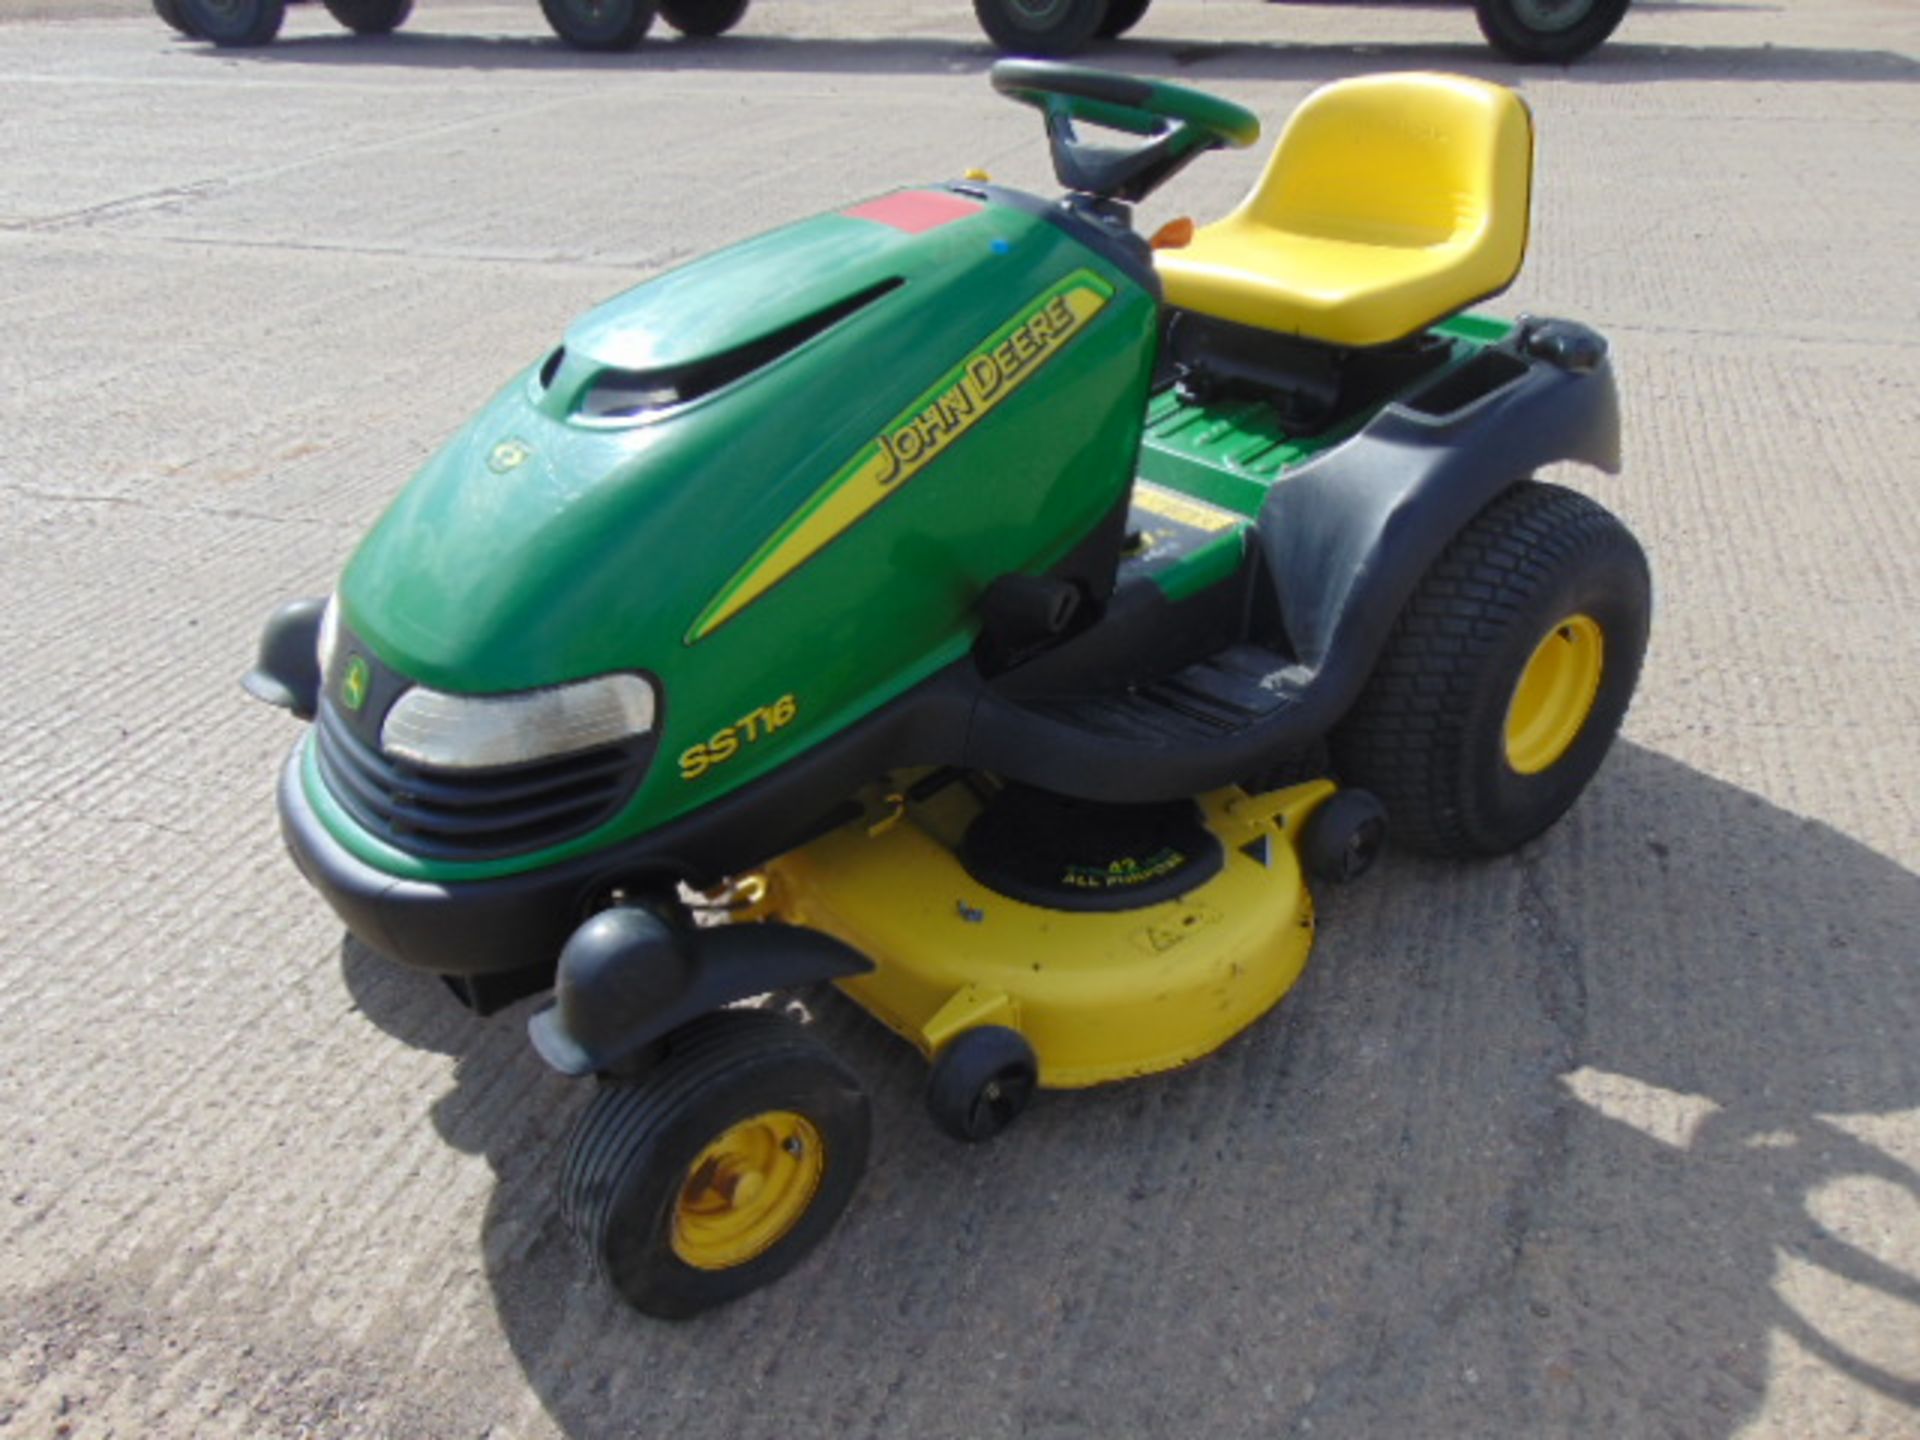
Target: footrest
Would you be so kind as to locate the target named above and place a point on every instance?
(1212, 723)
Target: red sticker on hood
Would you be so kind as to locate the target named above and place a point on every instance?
(915, 211)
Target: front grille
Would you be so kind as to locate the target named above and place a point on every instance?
(473, 814)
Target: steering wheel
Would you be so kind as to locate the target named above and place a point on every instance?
(1177, 123)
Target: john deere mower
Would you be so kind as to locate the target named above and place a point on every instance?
(965, 600)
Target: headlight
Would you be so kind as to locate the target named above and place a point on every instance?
(329, 635)
(471, 732)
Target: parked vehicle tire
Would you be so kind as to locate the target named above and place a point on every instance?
(234, 23)
(982, 1082)
(599, 24)
(1506, 676)
(717, 1169)
(1040, 27)
(1555, 32)
(169, 11)
(702, 17)
(371, 17)
(1122, 16)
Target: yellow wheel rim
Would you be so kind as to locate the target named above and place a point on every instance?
(747, 1189)
(1555, 694)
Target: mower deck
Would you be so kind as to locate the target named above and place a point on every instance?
(1100, 995)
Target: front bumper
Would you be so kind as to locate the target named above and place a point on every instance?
(480, 927)
(511, 922)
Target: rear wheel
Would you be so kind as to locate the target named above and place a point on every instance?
(1554, 32)
(1040, 27)
(371, 17)
(702, 17)
(716, 1170)
(169, 11)
(234, 23)
(1506, 675)
(599, 24)
(1122, 16)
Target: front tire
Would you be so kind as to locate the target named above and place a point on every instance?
(234, 24)
(702, 17)
(1548, 32)
(371, 17)
(599, 24)
(1506, 676)
(716, 1170)
(1045, 28)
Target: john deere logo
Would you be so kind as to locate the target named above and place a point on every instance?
(353, 684)
(509, 454)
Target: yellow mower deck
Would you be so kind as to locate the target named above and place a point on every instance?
(1100, 996)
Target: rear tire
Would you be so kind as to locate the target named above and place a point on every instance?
(169, 11)
(1548, 32)
(371, 17)
(234, 24)
(1543, 586)
(717, 1169)
(1045, 28)
(599, 24)
(1122, 16)
(702, 17)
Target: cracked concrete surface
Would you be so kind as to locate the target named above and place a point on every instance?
(1617, 1137)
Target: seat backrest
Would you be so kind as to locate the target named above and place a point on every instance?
(1406, 160)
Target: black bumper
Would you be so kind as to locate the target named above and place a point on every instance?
(511, 922)
(481, 927)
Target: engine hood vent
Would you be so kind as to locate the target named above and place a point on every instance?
(614, 395)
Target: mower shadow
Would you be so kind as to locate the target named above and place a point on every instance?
(1196, 60)
(1557, 1144)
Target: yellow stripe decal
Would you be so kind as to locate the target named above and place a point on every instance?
(1184, 509)
(919, 435)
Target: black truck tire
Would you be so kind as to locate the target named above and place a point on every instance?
(234, 24)
(371, 17)
(1122, 16)
(169, 11)
(702, 17)
(599, 24)
(1547, 32)
(1040, 27)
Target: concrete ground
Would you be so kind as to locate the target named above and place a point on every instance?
(1617, 1137)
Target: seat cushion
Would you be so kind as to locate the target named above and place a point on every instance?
(1391, 202)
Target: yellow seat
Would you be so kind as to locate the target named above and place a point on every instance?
(1391, 201)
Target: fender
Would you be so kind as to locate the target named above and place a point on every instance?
(1347, 536)
(627, 978)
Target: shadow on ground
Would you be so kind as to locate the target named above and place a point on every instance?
(1196, 60)
(1539, 1146)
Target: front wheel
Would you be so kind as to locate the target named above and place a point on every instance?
(702, 17)
(599, 24)
(717, 1169)
(1506, 676)
(1553, 32)
(234, 23)
(1040, 27)
(371, 17)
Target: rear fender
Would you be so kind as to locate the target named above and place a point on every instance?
(1347, 536)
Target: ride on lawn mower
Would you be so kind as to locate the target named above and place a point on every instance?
(961, 599)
